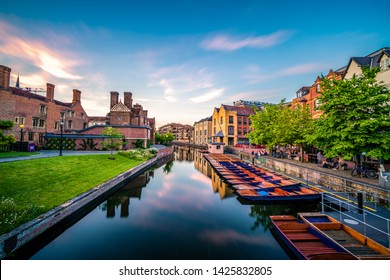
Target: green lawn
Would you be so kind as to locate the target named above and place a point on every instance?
(17, 154)
(32, 187)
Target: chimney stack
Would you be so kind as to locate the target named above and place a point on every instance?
(76, 96)
(114, 98)
(128, 99)
(50, 92)
(5, 74)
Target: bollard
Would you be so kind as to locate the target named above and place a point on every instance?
(360, 203)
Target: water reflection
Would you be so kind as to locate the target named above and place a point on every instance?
(181, 210)
(121, 198)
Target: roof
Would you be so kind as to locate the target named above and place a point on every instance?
(31, 95)
(78, 136)
(242, 111)
(219, 134)
(120, 107)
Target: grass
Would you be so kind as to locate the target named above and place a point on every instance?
(17, 154)
(32, 187)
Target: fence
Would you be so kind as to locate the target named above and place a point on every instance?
(370, 224)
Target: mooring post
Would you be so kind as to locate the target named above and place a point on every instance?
(360, 202)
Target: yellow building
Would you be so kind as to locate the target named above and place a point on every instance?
(202, 131)
(230, 124)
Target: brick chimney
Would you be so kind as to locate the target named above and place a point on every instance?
(76, 96)
(128, 99)
(114, 98)
(5, 74)
(50, 92)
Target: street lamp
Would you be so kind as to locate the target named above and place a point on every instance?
(61, 129)
(21, 136)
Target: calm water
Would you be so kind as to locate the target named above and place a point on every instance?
(181, 210)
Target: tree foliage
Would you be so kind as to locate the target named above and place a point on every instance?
(356, 117)
(113, 140)
(164, 139)
(280, 125)
(6, 139)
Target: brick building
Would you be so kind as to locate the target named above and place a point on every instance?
(129, 119)
(230, 124)
(38, 114)
(37, 117)
(181, 132)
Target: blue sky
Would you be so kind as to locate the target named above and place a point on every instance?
(180, 59)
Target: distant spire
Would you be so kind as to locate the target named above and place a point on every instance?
(17, 82)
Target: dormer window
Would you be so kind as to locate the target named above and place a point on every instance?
(384, 65)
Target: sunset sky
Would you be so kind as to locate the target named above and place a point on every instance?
(180, 59)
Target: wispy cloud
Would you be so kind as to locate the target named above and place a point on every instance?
(213, 94)
(229, 236)
(255, 74)
(231, 43)
(37, 52)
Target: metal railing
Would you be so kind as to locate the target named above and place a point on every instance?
(347, 211)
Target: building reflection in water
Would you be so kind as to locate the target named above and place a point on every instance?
(218, 185)
(184, 153)
(121, 198)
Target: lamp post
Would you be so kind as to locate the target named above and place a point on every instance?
(21, 136)
(61, 129)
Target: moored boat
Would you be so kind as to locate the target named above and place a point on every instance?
(358, 244)
(306, 242)
(289, 193)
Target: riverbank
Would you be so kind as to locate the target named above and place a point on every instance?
(30, 230)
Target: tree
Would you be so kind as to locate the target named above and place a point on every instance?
(356, 117)
(165, 138)
(113, 140)
(280, 125)
(6, 139)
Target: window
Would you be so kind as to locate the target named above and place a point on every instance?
(205, 132)
(35, 122)
(16, 120)
(245, 121)
(239, 131)
(31, 136)
(215, 121)
(56, 125)
(41, 123)
(245, 131)
(239, 120)
(215, 130)
(21, 120)
(62, 115)
(318, 88)
(385, 64)
(43, 109)
(230, 119)
(70, 124)
(230, 130)
(41, 137)
(317, 103)
(221, 120)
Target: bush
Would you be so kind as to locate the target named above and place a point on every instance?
(139, 154)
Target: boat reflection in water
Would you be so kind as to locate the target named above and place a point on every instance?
(181, 210)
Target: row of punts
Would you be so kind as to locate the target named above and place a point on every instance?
(317, 236)
(310, 236)
(256, 184)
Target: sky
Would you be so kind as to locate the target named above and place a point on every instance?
(181, 59)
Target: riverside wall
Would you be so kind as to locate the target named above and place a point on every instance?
(25, 233)
(337, 180)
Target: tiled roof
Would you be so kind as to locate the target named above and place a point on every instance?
(242, 111)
